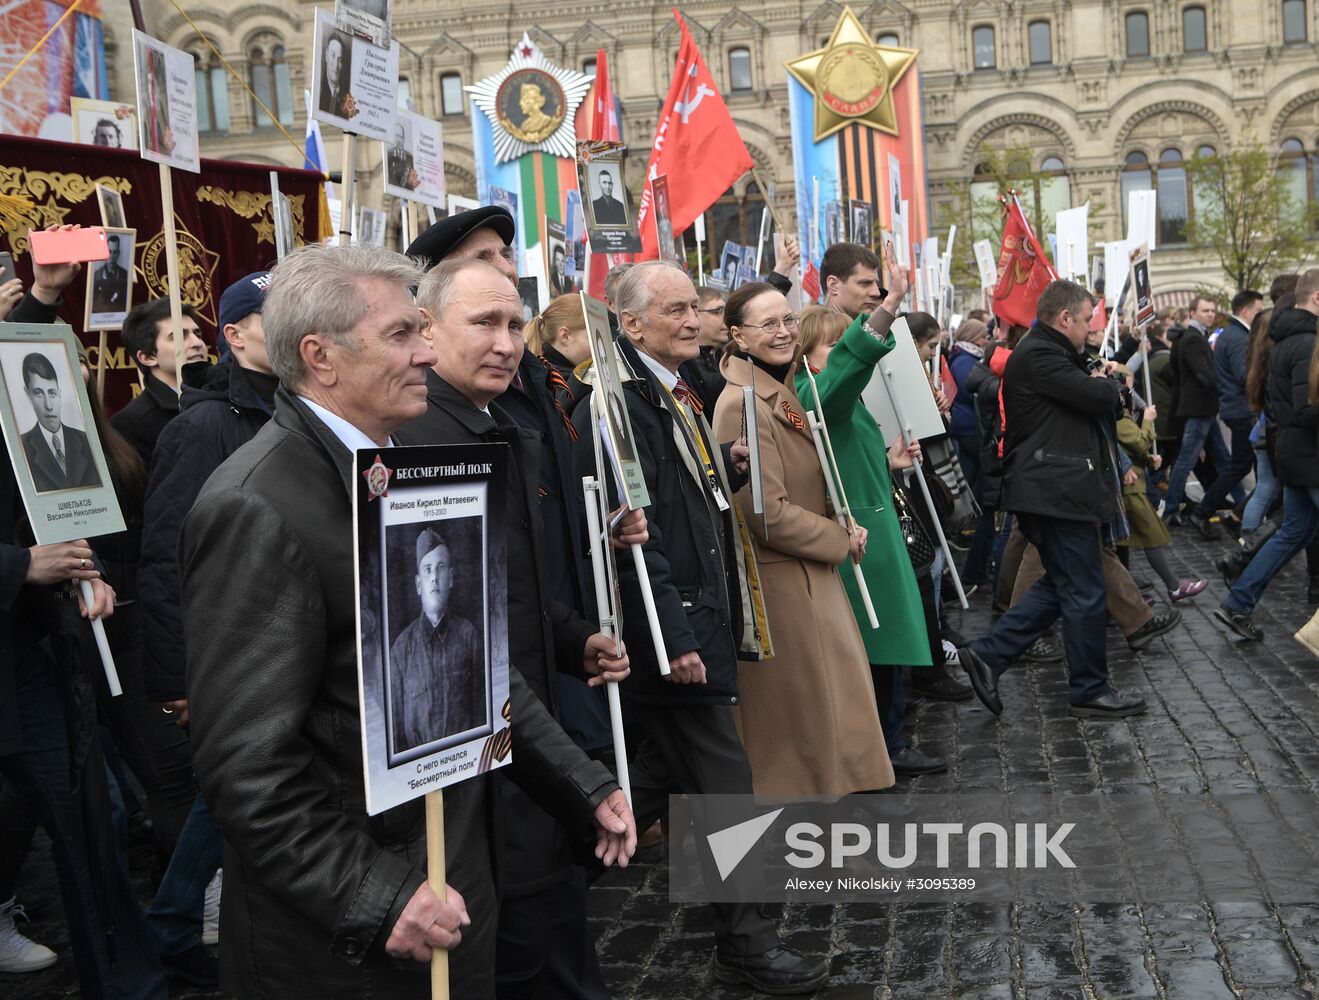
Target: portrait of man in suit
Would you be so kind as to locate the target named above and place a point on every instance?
(59, 456)
(402, 173)
(110, 281)
(607, 210)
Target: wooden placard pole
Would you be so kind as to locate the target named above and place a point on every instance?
(348, 177)
(1145, 370)
(435, 878)
(596, 513)
(908, 437)
(102, 643)
(842, 513)
(172, 272)
(102, 348)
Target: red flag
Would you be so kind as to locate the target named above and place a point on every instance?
(1023, 268)
(810, 281)
(696, 146)
(1099, 319)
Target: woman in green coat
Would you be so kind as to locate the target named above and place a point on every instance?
(858, 443)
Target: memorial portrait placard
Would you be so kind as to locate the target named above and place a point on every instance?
(51, 436)
(611, 218)
(430, 566)
(368, 18)
(166, 104)
(615, 423)
(109, 294)
(414, 160)
(355, 83)
(109, 124)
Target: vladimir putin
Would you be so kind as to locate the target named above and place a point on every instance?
(60, 457)
(438, 671)
(608, 210)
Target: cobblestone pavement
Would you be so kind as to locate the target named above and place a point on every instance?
(1222, 717)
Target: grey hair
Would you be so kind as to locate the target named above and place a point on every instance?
(437, 287)
(315, 289)
(615, 275)
(635, 292)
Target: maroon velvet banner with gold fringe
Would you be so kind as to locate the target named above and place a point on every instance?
(222, 215)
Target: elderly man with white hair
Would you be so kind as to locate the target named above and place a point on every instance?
(319, 899)
(704, 578)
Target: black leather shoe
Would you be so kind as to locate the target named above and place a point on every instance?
(1208, 530)
(1113, 705)
(1175, 521)
(1240, 624)
(779, 971)
(196, 965)
(983, 681)
(1232, 566)
(938, 684)
(913, 761)
(1153, 628)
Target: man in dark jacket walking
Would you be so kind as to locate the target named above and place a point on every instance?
(1060, 479)
(1293, 423)
(321, 900)
(1196, 394)
(1230, 373)
(707, 603)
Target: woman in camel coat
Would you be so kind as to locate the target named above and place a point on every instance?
(808, 716)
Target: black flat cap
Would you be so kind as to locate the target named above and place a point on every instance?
(438, 241)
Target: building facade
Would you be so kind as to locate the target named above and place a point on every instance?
(1091, 98)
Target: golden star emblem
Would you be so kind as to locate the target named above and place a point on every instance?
(265, 230)
(51, 214)
(852, 79)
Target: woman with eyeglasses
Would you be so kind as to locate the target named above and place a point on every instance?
(808, 717)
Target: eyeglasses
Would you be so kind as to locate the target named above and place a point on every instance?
(772, 326)
(712, 311)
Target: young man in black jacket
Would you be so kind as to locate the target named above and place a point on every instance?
(1060, 480)
(1196, 394)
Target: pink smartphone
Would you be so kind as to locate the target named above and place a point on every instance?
(68, 246)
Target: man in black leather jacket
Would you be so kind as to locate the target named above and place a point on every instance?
(1060, 479)
(320, 899)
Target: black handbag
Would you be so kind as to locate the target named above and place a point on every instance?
(920, 549)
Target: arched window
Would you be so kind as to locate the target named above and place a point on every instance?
(984, 53)
(272, 84)
(888, 38)
(1040, 36)
(1174, 202)
(1195, 33)
(1138, 35)
(451, 94)
(211, 79)
(404, 95)
(739, 69)
(1053, 192)
(1136, 176)
(1204, 196)
(1293, 171)
(1293, 22)
(734, 220)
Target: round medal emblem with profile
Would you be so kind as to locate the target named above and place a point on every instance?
(852, 80)
(530, 104)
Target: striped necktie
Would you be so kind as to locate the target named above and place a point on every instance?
(683, 394)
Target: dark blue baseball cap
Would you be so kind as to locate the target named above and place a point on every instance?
(243, 298)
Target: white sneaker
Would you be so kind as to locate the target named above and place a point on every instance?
(211, 912)
(17, 953)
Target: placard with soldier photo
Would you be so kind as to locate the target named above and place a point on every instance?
(1140, 281)
(110, 124)
(51, 435)
(111, 204)
(616, 425)
(355, 82)
(659, 192)
(611, 218)
(166, 104)
(861, 228)
(414, 160)
(430, 562)
(109, 293)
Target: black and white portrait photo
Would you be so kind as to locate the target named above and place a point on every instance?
(110, 283)
(336, 60)
(48, 416)
(400, 163)
(111, 203)
(437, 663)
(108, 124)
(166, 103)
(369, 18)
(607, 205)
(556, 259)
(730, 265)
(862, 230)
(529, 293)
(833, 223)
